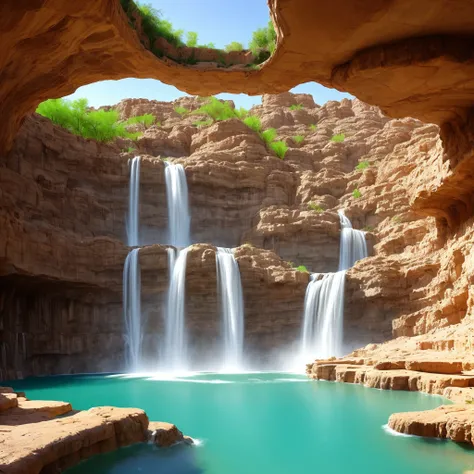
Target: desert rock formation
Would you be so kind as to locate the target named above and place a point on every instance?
(64, 201)
(371, 52)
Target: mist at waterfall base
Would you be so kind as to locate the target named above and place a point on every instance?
(175, 352)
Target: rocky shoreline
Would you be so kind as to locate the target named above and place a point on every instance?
(49, 436)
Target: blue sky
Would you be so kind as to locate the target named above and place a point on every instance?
(216, 21)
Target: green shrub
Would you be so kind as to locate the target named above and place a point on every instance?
(155, 27)
(241, 113)
(216, 109)
(315, 207)
(181, 110)
(268, 136)
(302, 268)
(263, 43)
(203, 123)
(144, 121)
(298, 139)
(296, 107)
(397, 219)
(100, 125)
(312, 127)
(338, 138)
(356, 194)
(254, 123)
(368, 228)
(234, 46)
(362, 165)
(191, 39)
(279, 148)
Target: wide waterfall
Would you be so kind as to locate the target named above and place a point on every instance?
(175, 357)
(353, 244)
(178, 206)
(133, 202)
(324, 301)
(232, 308)
(132, 310)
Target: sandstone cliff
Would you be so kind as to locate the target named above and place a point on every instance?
(63, 207)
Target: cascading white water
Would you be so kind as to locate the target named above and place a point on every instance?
(132, 310)
(232, 307)
(175, 358)
(178, 206)
(353, 245)
(133, 202)
(324, 301)
(323, 315)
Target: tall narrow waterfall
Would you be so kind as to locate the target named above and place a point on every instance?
(353, 245)
(175, 357)
(133, 202)
(232, 307)
(178, 206)
(323, 315)
(324, 301)
(132, 310)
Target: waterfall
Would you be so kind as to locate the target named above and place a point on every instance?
(323, 315)
(133, 202)
(178, 206)
(353, 245)
(132, 310)
(175, 331)
(232, 307)
(324, 300)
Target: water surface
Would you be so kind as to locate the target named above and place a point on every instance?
(270, 423)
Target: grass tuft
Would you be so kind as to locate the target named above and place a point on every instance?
(338, 138)
(362, 165)
(315, 207)
(268, 136)
(181, 111)
(296, 107)
(253, 123)
(100, 125)
(302, 268)
(298, 139)
(356, 194)
(279, 148)
(234, 46)
(217, 110)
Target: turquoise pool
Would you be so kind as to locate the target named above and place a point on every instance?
(261, 423)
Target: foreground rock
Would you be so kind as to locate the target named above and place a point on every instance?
(33, 441)
(454, 422)
(165, 434)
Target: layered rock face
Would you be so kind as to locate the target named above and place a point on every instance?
(64, 203)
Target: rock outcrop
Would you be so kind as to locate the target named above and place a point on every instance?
(48, 436)
(35, 439)
(422, 69)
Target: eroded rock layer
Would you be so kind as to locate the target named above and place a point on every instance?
(63, 210)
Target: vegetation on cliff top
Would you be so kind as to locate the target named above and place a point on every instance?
(262, 45)
(100, 125)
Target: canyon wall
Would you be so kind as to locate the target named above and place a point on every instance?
(63, 205)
